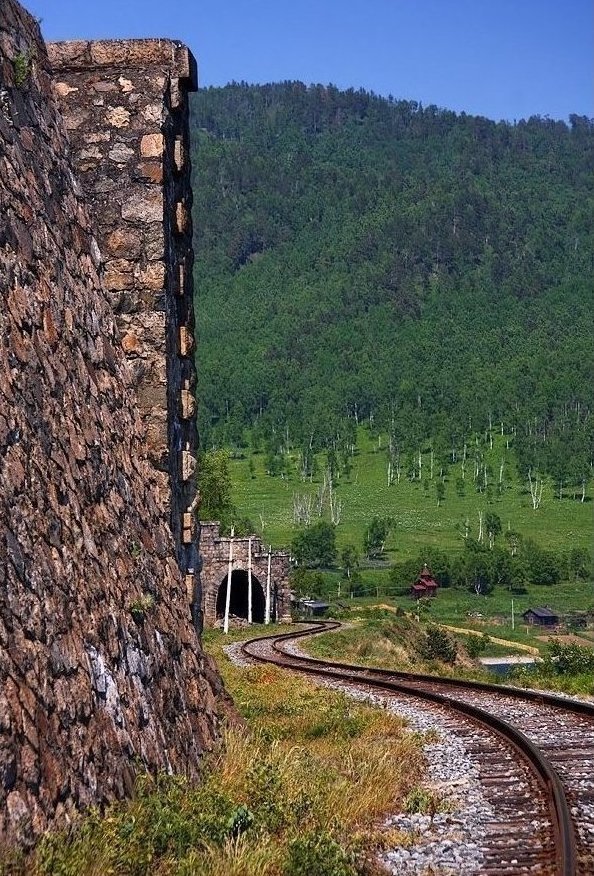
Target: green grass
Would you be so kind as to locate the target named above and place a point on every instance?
(375, 637)
(455, 607)
(493, 650)
(557, 524)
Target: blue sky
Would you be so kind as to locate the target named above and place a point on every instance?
(498, 58)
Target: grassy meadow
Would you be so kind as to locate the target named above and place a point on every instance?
(268, 502)
(558, 525)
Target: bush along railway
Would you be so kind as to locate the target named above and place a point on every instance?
(535, 750)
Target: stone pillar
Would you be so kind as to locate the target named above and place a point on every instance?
(125, 106)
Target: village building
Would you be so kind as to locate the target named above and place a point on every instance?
(312, 607)
(425, 585)
(543, 617)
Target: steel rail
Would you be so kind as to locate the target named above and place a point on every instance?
(561, 820)
(542, 697)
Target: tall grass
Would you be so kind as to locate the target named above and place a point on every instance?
(395, 642)
(299, 789)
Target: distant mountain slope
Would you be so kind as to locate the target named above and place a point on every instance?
(359, 256)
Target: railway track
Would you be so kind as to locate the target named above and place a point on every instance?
(535, 751)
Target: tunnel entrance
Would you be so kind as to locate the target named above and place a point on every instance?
(239, 597)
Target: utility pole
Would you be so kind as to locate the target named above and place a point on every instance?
(267, 613)
(250, 580)
(228, 594)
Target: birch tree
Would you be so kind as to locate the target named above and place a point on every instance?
(302, 508)
(493, 527)
(535, 482)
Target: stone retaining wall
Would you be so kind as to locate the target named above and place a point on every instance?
(100, 666)
(125, 106)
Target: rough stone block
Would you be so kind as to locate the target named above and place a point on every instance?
(175, 93)
(97, 137)
(120, 153)
(118, 116)
(125, 84)
(125, 242)
(187, 465)
(152, 396)
(188, 527)
(188, 404)
(151, 170)
(108, 52)
(153, 113)
(122, 265)
(90, 152)
(186, 341)
(179, 154)
(145, 207)
(152, 145)
(62, 89)
(152, 276)
(131, 345)
(182, 219)
(118, 281)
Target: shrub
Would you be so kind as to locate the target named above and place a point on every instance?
(569, 659)
(438, 645)
(475, 645)
(375, 536)
(305, 582)
(141, 606)
(422, 801)
(319, 854)
(167, 817)
(316, 545)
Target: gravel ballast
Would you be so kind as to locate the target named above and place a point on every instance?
(446, 843)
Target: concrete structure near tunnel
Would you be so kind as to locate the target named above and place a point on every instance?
(214, 549)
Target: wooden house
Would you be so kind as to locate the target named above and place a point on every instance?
(425, 585)
(543, 617)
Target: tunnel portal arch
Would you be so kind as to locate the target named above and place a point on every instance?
(238, 605)
(270, 568)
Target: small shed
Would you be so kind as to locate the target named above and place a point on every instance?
(542, 617)
(312, 607)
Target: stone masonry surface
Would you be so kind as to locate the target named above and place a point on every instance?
(100, 666)
(125, 106)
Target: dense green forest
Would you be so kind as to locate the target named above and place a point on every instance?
(370, 259)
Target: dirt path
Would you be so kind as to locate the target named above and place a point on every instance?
(570, 639)
(516, 645)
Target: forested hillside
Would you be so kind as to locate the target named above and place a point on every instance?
(364, 257)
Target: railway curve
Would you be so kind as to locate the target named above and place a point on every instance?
(537, 752)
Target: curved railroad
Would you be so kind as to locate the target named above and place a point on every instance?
(536, 752)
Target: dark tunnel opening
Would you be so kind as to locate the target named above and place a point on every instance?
(238, 605)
